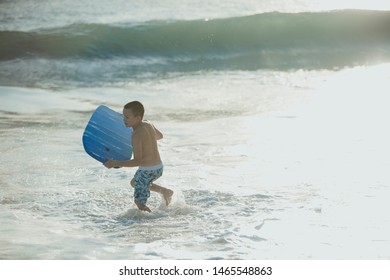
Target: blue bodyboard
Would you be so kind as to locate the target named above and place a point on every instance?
(107, 137)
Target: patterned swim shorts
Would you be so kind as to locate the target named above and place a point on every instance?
(143, 178)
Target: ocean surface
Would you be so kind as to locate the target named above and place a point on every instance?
(275, 120)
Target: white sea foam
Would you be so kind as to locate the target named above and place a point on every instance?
(247, 185)
(264, 163)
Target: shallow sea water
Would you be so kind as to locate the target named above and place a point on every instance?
(278, 184)
(274, 151)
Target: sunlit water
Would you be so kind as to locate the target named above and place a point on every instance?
(265, 163)
(309, 180)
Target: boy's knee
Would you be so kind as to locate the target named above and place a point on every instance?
(132, 182)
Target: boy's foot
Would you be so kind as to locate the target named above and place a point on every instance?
(143, 207)
(167, 194)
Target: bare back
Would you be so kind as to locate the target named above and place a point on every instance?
(145, 145)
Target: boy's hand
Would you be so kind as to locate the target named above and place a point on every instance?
(110, 163)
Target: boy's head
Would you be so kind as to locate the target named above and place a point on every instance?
(133, 113)
(136, 108)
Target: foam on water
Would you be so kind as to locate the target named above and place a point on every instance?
(18, 15)
(51, 186)
(92, 54)
(259, 183)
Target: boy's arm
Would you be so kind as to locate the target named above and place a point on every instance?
(120, 163)
(157, 133)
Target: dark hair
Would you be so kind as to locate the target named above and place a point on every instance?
(136, 108)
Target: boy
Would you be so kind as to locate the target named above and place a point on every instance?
(146, 156)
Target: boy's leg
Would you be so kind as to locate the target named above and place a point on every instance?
(142, 207)
(167, 193)
(141, 195)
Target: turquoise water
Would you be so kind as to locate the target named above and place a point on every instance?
(274, 117)
(95, 54)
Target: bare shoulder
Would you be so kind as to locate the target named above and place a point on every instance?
(143, 130)
(147, 129)
(157, 133)
(147, 126)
